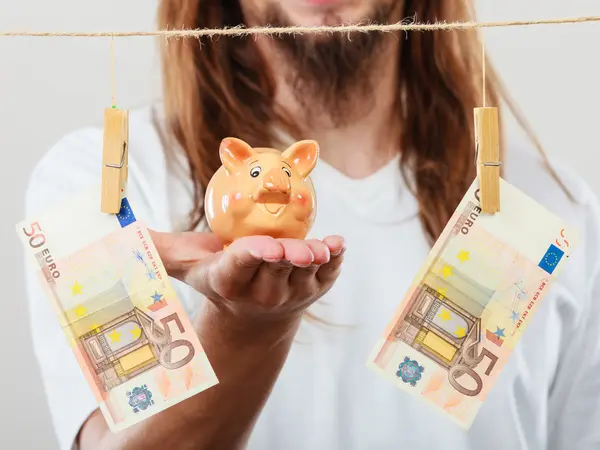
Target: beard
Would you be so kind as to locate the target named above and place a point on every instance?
(332, 76)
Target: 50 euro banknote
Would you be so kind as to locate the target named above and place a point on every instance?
(471, 301)
(119, 312)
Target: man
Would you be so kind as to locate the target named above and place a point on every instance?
(393, 117)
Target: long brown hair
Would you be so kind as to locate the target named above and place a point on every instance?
(219, 88)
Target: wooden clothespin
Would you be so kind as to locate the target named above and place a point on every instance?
(488, 158)
(114, 159)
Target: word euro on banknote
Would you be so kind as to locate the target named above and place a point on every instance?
(471, 301)
(119, 312)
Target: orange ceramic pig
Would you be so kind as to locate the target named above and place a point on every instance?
(262, 191)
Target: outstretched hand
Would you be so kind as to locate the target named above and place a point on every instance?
(256, 277)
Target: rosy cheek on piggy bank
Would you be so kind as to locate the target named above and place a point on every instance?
(301, 200)
(302, 203)
(236, 200)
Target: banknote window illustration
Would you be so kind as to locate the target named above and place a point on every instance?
(120, 350)
(119, 340)
(437, 327)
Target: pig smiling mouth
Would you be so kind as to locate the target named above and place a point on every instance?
(272, 202)
(273, 208)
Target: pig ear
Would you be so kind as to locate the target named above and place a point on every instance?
(302, 156)
(234, 152)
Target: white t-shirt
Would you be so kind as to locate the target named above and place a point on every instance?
(547, 397)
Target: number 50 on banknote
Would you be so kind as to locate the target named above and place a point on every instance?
(472, 300)
(119, 312)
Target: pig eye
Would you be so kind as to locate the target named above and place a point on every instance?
(255, 172)
(287, 171)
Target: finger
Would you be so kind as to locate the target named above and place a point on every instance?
(179, 251)
(320, 251)
(297, 252)
(274, 274)
(304, 276)
(335, 243)
(229, 272)
(272, 280)
(240, 261)
(328, 273)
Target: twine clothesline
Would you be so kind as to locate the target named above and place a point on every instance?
(239, 31)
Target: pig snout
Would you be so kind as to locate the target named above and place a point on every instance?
(275, 187)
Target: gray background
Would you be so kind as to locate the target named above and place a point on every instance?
(49, 86)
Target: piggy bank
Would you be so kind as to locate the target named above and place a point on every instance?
(262, 191)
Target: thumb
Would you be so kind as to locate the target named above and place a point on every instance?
(180, 251)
